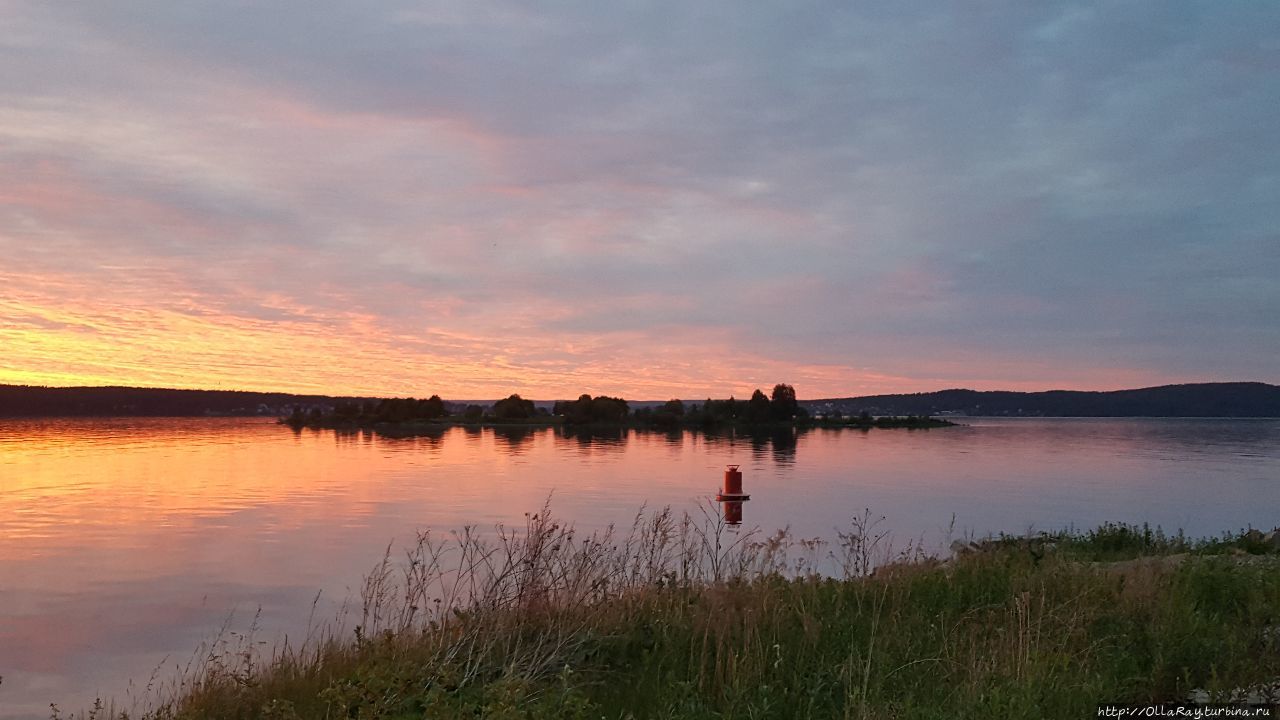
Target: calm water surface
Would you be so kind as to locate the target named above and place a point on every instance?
(124, 543)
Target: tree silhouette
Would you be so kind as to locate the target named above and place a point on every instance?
(783, 405)
(758, 407)
(513, 408)
(587, 409)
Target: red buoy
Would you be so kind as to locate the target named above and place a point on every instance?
(732, 489)
(732, 480)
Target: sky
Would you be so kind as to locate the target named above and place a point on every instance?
(647, 199)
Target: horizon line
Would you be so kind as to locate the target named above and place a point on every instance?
(816, 399)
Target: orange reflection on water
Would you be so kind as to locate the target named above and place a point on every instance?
(126, 540)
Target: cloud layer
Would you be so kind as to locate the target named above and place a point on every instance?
(647, 199)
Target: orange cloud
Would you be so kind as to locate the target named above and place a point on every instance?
(82, 333)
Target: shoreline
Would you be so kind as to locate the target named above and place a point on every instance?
(700, 624)
(427, 427)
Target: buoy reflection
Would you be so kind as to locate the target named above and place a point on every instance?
(731, 495)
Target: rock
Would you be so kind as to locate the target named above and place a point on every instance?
(1253, 536)
(1147, 563)
(1271, 634)
(961, 547)
(1263, 694)
(1272, 539)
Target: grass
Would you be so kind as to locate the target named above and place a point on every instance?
(680, 617)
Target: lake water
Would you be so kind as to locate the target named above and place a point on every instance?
(124, 543)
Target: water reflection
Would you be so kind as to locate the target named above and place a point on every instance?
(780, 442)
(123, 541)
(514, 439)
(426, 437)
(732, 510)
(1172, 438)
(732, 495)
(674, 437)
(595, 439)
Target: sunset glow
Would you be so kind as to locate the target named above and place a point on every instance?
(474, 203)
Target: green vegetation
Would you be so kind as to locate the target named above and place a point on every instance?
(1115, 542)
(410, 416)
(587, 410)
(1196, 400)
(780, 408)
(513, 407)
(406, 416)
(683, 618)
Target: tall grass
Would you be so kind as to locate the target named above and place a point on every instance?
(684, 617)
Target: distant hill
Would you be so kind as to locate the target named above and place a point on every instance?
(1200, 400)
(1242, 399)
(35, 401)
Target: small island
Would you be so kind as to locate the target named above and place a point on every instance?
(779, 410)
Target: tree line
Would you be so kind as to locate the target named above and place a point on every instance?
(410, 410)
(40, 401)
(779, 407)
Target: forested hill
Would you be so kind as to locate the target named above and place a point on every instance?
(1199, 400)
(1242, 399)
(31, 401)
